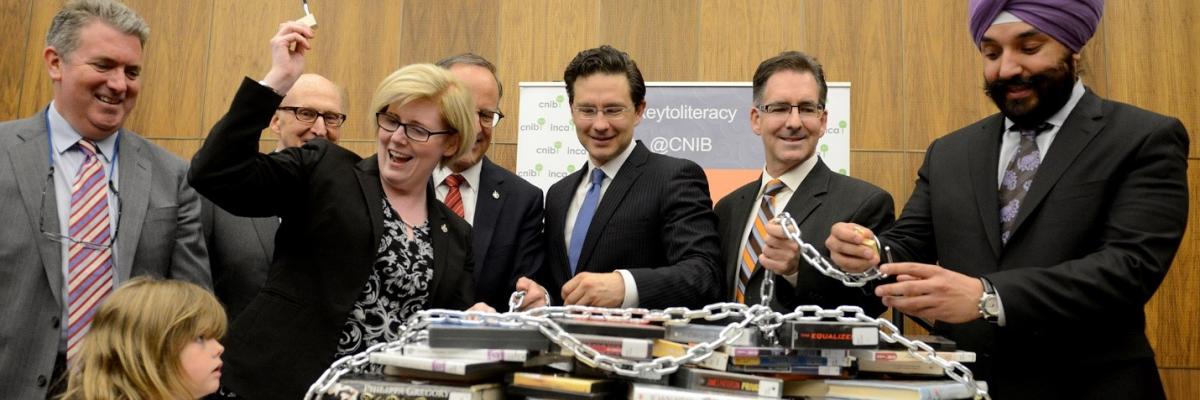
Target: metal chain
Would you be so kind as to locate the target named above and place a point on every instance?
(758, 315)
(814, 258)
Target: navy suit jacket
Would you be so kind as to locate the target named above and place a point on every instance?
(823, 198)
(1093, 240)
(655, 220)
(507, 233)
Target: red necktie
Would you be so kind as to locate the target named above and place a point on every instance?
(454, 197)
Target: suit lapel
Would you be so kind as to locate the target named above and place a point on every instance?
(807, 197)
(983, 155)
(558, 201)
(438, 232)
(31, 164)
(134, 192)
(743, 202)
(611, 200)
(367, 172)
(1077, 131)
(266, 228)
(487, 208)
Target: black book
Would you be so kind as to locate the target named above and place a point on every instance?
(487, 337)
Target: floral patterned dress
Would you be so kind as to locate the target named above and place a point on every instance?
(397, 288)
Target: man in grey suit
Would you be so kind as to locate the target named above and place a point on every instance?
(789, 116)
(240, 248)
(57, 264)
(504, 210)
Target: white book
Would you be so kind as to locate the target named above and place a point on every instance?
(904, 355)
(903, 390)
(448, 366)
(642, 391)
(423, 350)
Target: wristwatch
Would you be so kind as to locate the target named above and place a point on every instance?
(989, 303)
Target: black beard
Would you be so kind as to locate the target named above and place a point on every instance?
(1052, 88)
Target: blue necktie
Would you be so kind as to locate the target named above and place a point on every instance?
(584, 219)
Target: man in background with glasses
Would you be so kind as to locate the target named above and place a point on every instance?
(84, 203)
(630, 228)
(789, 115)
(240, 248)
(504, 210)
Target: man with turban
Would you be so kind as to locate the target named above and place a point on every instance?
(1051, 223)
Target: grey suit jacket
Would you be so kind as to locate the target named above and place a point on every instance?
(240, 250)
(159, 235)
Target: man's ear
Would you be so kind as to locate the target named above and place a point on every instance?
(54, 63)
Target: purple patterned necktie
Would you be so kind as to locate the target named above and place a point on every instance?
(1018, 177)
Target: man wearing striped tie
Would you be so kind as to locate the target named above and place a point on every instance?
(789, 116)
(85, 204)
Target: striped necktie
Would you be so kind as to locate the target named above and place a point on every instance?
(89, 266)
(454, 196)
(758, 233)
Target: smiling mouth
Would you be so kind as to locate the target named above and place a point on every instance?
(397, 157)
(109, 100)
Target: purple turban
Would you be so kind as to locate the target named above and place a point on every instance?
(1071, 22)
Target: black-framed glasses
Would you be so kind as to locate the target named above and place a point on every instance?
(391, 123)
(610, 112)
(807, 110)
(66, 239)
(309, 115)
(490, 118)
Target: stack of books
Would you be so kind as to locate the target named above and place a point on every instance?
(809, 359)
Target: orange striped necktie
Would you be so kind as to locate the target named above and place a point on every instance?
(89, 266)
(758, 233)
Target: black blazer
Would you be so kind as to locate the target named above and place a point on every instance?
(507, 233)
(239, 250)
(330, 200)
(823, 198)
(655, 220)
(1093, 240)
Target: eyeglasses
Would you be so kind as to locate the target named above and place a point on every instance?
(65, 239)
(612, 112)
(305, 114)
(782, 110)
(490, 118)
(391, 123)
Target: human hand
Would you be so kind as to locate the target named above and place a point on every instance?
(931, 292)
(288, 47)
(852, 247)
(593, 289)
(780, 253)
(535, 294)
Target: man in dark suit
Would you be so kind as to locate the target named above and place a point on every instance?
(505, 211)
(631, 228)
(240, 248)
(1052, 223)
(789, 115)
(58, 261)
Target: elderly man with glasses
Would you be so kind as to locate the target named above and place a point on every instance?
(240, 248)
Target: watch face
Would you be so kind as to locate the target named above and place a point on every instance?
(991, 305)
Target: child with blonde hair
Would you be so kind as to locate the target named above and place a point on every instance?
(151, 339)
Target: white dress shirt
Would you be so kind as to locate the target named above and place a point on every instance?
(610, 169)
(468, 189)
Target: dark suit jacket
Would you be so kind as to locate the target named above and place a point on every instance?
(239, 250)
(655, 220)
(330, 200)
(823, 198)
(1094, 239)
(159, 235)
(507, 233)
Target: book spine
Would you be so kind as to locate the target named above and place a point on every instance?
(800, 361)
(454, 367)
(552, 382)
(617, 346)
(708, 333)
(905, 356)
(733, 383)
(468, 354)
(831, 336)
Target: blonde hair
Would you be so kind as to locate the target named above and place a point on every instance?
(132, 350)
(429, 82)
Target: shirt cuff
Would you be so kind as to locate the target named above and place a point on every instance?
(999, 302)
(791, 278)
(631, 293)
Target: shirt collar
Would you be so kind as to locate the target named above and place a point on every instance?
(792, 178)
(1059, 117)
(65, 136)
(613, 166)
(471, 174)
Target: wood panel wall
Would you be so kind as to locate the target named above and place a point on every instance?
(915, 73)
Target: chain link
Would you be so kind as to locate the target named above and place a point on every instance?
(814, 258)
(758, 315)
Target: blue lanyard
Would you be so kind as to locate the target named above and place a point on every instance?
(50, 152)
